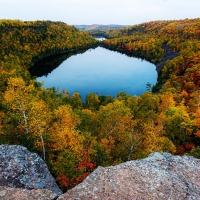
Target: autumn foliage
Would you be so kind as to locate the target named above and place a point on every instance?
(74, 137)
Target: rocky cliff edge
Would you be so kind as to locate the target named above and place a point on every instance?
(19, 168)
(159, 176)
(24, 175)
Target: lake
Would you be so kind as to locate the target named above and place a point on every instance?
(103, 72)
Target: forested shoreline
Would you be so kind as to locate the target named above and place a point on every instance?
(75, 137)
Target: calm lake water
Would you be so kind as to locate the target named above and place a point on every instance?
(102, 71)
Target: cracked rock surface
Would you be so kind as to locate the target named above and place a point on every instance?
(159, 176)
(19, 168)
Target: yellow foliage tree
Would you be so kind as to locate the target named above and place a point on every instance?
(63, 131)
(31, 113)
(18, 97)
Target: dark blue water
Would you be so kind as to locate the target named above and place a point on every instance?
(102, 71)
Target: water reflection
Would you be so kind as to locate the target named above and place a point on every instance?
(100, 38)
(47, 65)
(102, 71)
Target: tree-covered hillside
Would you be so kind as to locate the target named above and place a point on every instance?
(152, 41)
(24, 43)
(75, 137)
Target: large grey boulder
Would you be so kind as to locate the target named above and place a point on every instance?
(19, 168)
(7, 193)
(159, 176)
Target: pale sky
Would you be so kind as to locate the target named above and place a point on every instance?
(124, 12)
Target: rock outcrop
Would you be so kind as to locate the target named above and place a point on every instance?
(19, 168)
(7, 193)
(24, 175)
(159, 176)
(169, 55)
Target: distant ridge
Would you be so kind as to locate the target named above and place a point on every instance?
(99, 26)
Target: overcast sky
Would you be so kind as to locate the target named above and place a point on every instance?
(125, 12)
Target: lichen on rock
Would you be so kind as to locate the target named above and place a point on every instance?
(19, 168)
(7, 193)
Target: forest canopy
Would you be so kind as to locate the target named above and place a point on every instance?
(75, 137)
